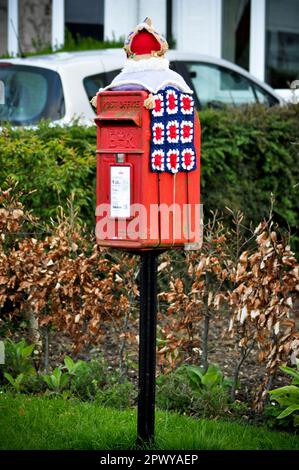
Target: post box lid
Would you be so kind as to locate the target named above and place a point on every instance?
(121, 106)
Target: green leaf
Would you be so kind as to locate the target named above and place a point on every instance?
(57, 373)
(19, 379)
(10, 378)
(293, 372)
(27, 351)
(289, 410)
(64, 381)
(195, 375)
(288, 390)
(17, 382)
(212, 377)
(47, 379)
(69, 364)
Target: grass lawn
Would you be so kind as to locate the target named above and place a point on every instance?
(54, 423)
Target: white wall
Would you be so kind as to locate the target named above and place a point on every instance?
(121, 16)
(57, 24)
(156, 10)
(13, 27)
(257, 38)
(197, 26)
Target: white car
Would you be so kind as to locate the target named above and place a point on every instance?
(59, 87)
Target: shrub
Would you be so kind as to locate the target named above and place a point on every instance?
(18, 372)
(271, 412)
(18, 358)
(90, 377)
(95, 380)
(57, 381)
(16, 383)
(71, 44)
(92, 380)
(288, 397)
(174, 392)
(248, 153)
(54, 161)
(191, 390)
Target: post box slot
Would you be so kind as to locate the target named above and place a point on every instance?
(134, 119)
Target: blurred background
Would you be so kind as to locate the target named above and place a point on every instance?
(261, 36)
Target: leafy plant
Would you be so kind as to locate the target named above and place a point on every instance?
(288, 396)
(18, 358)
(174, 392)
(190, 390)
(71, 366)
(18, 369)
(17, 383)
(91, 378)
(293, 372)
(90, 381)
(57, 381)
(210, 379)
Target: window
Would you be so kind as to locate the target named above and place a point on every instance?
(85, 18)
(282, 42)
(94, 82)
(30, 94)
(236, 31)
(217, 86)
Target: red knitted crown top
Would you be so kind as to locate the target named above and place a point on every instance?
(144, 43)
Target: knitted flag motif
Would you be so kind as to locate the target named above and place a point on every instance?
(172, 125)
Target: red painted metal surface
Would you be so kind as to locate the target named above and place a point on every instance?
(123, 140)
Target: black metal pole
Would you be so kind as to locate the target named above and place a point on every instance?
(147, 347)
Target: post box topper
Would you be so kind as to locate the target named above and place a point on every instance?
(147, 126)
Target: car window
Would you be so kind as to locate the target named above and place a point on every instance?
(263, 97)
(111, 75)
(29, 94)
(218, 86)
(100, 80)
(93, 83)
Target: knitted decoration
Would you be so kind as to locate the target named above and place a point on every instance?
(172, 125)
(145, 42)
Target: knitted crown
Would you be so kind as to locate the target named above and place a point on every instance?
(145, 42)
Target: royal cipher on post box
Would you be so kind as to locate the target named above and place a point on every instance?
(148, 171)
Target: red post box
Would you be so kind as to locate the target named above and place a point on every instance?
(138, 208)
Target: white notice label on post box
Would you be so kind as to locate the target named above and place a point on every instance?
(120, 191)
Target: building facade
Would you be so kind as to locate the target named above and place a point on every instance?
(259, 35)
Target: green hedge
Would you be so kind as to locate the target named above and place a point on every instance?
(56, 161)
(246, 154)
